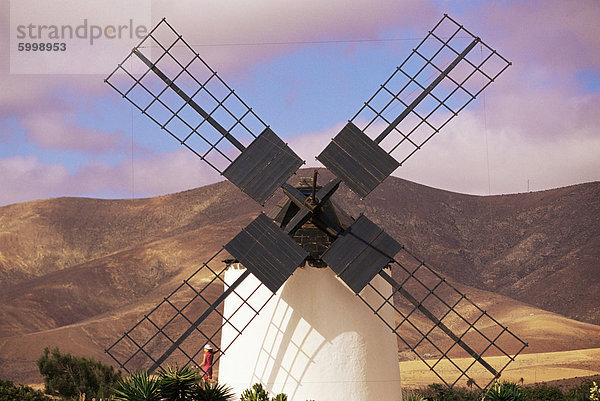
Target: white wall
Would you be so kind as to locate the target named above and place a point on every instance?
(315, 340)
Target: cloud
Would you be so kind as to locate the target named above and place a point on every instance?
(542, 124)
(554, 34)
(29, 178)
(275, 21)
(467, 158)
(26, 178)
(308, 145)
(57, 129)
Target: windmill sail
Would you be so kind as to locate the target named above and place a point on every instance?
(179, 91)
(179, 327)
(458, 340)
(447, 70)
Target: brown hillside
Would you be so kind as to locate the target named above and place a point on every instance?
(78, 272)
(542, 248)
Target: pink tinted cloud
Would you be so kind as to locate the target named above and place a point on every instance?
(560, 35)
(540, 112)
(273, 21)
(58, 129)
(466, 157)
(29, 178)
(536, 108)
(549, 43)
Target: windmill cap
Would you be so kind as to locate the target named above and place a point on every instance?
(208, 346)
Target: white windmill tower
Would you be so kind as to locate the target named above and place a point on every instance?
(311, 341)
(331, 329)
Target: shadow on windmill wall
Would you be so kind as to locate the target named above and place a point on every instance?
(321, 342)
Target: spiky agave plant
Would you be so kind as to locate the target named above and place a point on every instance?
(206, 391)
(139, 386)
(504, 391)
(177, 384)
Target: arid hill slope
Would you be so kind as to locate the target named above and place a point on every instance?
(77, 272)
(542, 248)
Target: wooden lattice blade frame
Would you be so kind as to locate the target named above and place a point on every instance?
(168, 81)
(447, 331)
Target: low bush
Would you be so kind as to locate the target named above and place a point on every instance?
(12, 392)
(258, 393)
(69, 376)
(504, 391)
(542, 392)
(171, 384)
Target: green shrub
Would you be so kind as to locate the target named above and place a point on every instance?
(581, 392)
(177, 384)
(258, 393)
(504, 391)
(206, 391)
(543, 392)
(440, 392)
(412, 396)
(138, 387)
(11, 392)
(69, 376)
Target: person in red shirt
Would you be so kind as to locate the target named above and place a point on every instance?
(207, 362)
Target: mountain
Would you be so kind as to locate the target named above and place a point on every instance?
(78, 272)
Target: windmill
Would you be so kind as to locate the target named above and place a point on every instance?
(409, 300)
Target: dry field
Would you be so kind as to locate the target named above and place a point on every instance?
(533, 368)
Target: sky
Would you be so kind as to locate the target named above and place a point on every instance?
(305, 67)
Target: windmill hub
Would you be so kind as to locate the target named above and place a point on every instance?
(311, 218)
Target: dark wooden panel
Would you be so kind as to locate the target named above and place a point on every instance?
(263, 167)
(365, 151)
(351, 244)
(267, 252)
(356, 159)
(360, 253)
(345, 168)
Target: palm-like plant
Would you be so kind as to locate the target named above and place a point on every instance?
(205, 391)
(138, 387)
(177, 384)
(257, 393)
(504, 391)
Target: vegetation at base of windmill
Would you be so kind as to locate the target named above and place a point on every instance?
(504, 391)
(594, 392)
(258, 393)
(71, 376)
(139, 386)
(207, 391)
(177, 384)
(584, 392)
(538, 392)
(439, 392)
(411, 396)
(12, 392)
(171, 384)
(543, 392)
